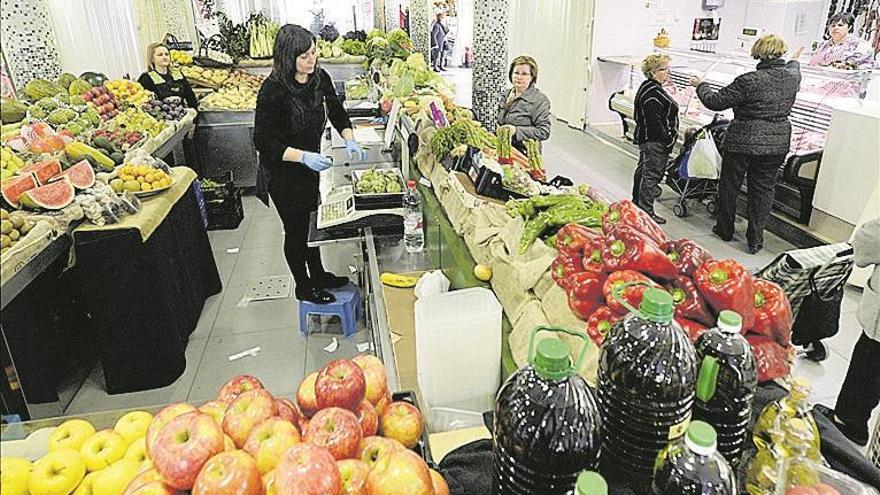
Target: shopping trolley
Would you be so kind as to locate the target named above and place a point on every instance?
(690, 190)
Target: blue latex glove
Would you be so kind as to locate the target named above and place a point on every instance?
(316, 161)
(355, 152)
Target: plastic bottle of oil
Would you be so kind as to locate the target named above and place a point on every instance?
(786, 462)
(693, 465)
(794, 405)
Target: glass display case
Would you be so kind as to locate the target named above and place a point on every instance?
(821, 90)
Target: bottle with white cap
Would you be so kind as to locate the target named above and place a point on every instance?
(693, 466)
(726, 384)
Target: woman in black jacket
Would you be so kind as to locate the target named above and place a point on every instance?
(656, 116)
(758, 138)
(164, 81)
(293, 106)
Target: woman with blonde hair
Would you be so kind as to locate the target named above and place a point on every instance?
(758, 138)
(163, 80)
(656, 116)
(524, 108)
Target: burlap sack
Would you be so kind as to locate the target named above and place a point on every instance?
(511, 234)
(555, 307)
(440, 181)
(530, 318)
(505, 283)
(532, 265)
(544, 284)
(41, 235)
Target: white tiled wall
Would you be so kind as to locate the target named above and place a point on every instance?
(28, 40)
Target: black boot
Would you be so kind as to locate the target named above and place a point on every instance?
(328, 280)
(314, 294)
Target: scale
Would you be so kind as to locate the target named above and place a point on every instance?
(747, 37)
(338, 209)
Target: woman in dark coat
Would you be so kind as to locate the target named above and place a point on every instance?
(524, 108)
(293, 106)
(164, 81)
(758, 138)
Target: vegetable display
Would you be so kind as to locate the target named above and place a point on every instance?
(505, 144)
(536, 161)
(543, 213)
(464, 131)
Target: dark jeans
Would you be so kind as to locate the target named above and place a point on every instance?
(295, 203)
(437, 59)
(653, 158)
(860, 393)
(762, 172)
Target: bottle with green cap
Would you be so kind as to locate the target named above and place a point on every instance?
(726, 384)
(693, 465)
(776, 414)
(547, 423)
(647, 375)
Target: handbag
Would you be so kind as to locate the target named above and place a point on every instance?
(813, 279)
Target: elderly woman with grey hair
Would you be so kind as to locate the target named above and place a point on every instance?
(758, 138)
(524, 108)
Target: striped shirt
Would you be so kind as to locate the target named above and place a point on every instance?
(656, 115)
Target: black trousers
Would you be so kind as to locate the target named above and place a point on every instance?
(762, 172)
(860, 393)
(653, 158)
(295, 199)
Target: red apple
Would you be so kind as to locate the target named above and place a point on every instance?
(402, 422)
(247, 410)
(340, 383)
(439, 484)
(229, 472)
(368, 418)
(307, 469)
(383, 403)
(353, 473)
(183, 446)
(269, 440)
(87, 96)
(161, 419)
(371, 449)
(235, 386)
(216, 409)
(288, 410)
(305, 395)
(402, 471)
(336, 429)
(375, 376)
(145, 477)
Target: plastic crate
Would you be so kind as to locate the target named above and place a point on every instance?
(874, 446)
(423, 447)
(225, 214)
(225, 187)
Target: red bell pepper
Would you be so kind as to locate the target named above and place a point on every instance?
(592, 260)
(585, 293)
(599, 324)
(692, 328)
(572, 238)
(625, 212)
(688, 301)
(632, 294)
(725, 284)
(772, 312)
(771, 359)
(686, 254)
(564, 266)
(626, 248)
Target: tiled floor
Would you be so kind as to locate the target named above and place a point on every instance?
(254, 250)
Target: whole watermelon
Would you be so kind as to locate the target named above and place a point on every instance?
(93, 78)
(65, 79)
(41, 88)
(78, 87)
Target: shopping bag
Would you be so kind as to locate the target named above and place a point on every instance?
(703, 161)
(811, 276)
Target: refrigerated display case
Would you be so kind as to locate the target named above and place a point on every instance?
(821, 90)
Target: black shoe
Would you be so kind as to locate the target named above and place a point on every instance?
(817, 352)
(755, 248)
(657, 219)
(315, 295)
(329, 281)
(858, 436)
(725, 238)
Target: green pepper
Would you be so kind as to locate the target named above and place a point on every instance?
(533, 228)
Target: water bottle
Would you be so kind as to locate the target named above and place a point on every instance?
(647, 375)
(413, 226)
(726, 384)
(547, 423)
(693, 466)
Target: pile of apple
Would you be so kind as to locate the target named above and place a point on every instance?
(246, 442)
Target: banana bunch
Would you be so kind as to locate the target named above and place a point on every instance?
(181, 58)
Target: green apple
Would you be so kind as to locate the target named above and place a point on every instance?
(86, 487)
(70, 435)
(133, 425)
(58, 473)
(114, 479)
(14, 474)
(103, 449)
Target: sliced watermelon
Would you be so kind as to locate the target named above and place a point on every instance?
(81, 175)
(53, 196)
(13, 187)
(44, 171)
